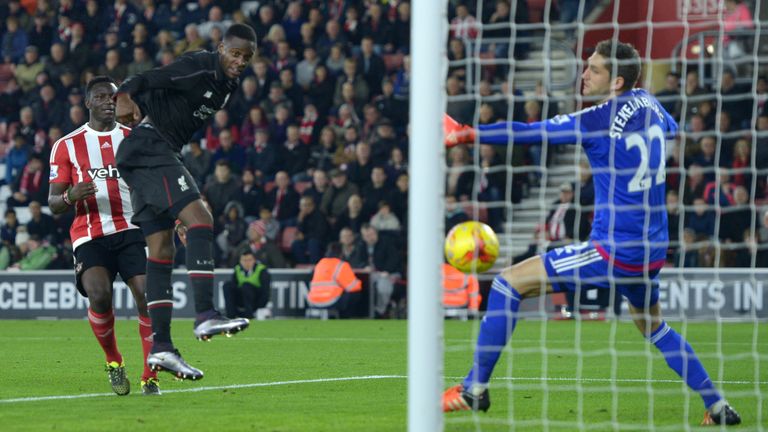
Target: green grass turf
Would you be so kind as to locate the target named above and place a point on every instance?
(49, 358)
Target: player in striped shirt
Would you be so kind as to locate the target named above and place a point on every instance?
(84, 176)
(623, 137)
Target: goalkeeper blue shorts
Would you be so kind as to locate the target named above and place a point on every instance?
(580, 265)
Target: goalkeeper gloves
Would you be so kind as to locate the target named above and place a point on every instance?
(456, 133)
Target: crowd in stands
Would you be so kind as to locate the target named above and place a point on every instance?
(312, 148)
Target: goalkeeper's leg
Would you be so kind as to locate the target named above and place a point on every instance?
(683, 360)
(527, 279)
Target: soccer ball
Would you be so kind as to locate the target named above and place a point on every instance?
(471, 247)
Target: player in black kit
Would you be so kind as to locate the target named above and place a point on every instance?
(167, 106)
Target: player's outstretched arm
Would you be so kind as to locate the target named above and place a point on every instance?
(564, 129)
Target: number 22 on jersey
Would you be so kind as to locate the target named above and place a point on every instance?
(642, 180)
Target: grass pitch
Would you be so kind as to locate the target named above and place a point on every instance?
(350, 376)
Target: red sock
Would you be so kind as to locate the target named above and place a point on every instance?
(145, 331)
(103, 326)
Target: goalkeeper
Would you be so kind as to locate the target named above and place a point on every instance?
(623, 137)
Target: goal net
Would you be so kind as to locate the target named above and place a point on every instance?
(577, 362)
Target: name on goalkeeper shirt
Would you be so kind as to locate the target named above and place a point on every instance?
(627, 111)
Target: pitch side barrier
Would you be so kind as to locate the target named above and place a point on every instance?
(734, 294)
(51, 294)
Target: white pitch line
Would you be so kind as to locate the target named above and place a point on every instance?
(368, 377)
(199, 389)
(617, 380)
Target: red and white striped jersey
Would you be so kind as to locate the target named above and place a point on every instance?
(88, 155)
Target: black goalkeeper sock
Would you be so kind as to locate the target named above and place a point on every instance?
(160, 302)
(200, 265)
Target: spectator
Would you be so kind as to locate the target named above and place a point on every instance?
(320, 184)
(399, 200)
(321, 90)
(310, 125)
(669, 96)
(390, 107)
(737, 218)
(249, 290)
(360, 89)
(352, 216)
(737, 16)
(464, 26)
(41, 224)
(112, 66)
(254, 121)
(41, 33)
(561, 220)
(261, 156)
(264, 249)
(27, 70)
(283, 58)
(57, 63)
(48, 110)
(284, 200)
(359, 171)
(141, 61)
(701, 220)
(215, 20)
(221, 121)
(221, 188)
(37, 255)
(375, 192)
(292, 92)
(270, 224)
(191, 42)
(16, 159)
(694, 93)
(371, 66)
(229, 151)
(305, 69)
(335, 199)
(293, 155)
(15, 41)
(687, 255)
(75, 119)
(386, 221)
(383, 261)
(264, 77)
(675, 217)
(706, 157)
(312, 235)
(197, 161)
(276, 98)
(9, 228)
(742, 164)
(694, 184)
(737, 100)
(376, 26)
(233, 228)
(333, 38)
(292, 23)
(264, 22)
(79, 49)
(352, 249)
(251, 196)
(396, 165)
(243, 101)
(383, 141)
(720, 191)
(32, 185)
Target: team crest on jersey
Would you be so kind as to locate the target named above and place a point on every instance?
(54, 172)
(208, 94)
(78, 268)
(183, 183)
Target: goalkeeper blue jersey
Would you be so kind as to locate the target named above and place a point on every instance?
(624, 140)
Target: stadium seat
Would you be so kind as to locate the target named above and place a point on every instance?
(287, 237)
(23, 214)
